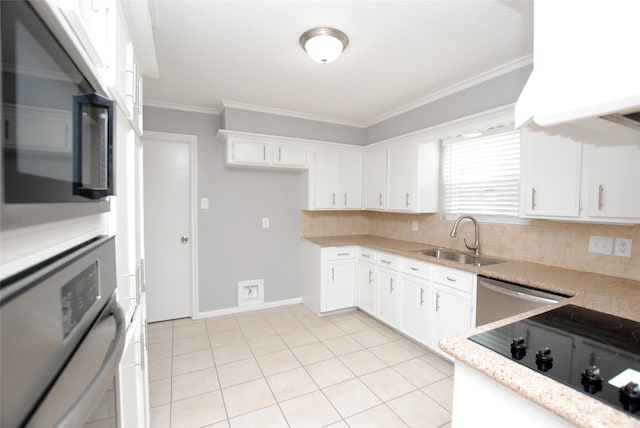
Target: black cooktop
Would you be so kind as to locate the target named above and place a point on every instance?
(582, 348)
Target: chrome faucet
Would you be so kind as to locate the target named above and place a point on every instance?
(476, 245)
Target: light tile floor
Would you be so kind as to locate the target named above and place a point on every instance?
(287, 367)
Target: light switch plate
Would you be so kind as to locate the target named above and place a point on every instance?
(204, 203)
(600, 244)
(265, 223)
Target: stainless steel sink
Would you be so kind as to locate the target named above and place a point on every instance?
(455, 256)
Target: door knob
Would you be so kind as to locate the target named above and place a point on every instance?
(184, 239)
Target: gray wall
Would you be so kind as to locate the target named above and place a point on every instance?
(232, 244)
(497, 92)
(272, 124)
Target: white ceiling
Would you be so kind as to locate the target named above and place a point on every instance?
(400, 53)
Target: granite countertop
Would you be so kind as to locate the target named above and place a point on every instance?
(617, 296)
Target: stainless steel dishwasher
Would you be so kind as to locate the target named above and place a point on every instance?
(500, 299)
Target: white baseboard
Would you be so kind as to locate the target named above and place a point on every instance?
(237, 310)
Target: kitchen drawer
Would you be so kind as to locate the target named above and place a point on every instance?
(340, 253)
(416, 268)
(388, 260)
(367, 254)
(453, 278)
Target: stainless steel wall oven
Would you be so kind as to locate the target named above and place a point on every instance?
(62, 337)
(57, 126)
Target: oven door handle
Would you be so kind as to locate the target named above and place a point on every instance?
(86, 398)
(517, 294)
(79, 411)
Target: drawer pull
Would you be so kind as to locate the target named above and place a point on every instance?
(385, 261)
(414, 269)
(451, 279)
(367, 256)
(343, 254)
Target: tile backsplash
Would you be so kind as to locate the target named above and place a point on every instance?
(552, 243)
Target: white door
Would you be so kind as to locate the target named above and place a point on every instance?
(388, 301)
(376, 179)
(325, 170)
(351, 180)
(167, 217)
(401, 179)
(415, 307)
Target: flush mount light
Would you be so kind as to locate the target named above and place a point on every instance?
(324, 44)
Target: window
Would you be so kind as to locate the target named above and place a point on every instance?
(481, 175)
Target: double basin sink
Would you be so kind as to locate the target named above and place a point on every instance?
(455, 256)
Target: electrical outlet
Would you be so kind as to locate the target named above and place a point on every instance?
(622, 247)
(414, 225)
(265, 223)
(600, 244)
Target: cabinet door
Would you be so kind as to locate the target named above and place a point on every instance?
(551, 168)
(451, 314)
(376, 179)
(325, 179)
(415, 308)
(248, 152)
(340, 285)
(615, 175)
(351, 180)
(388, 296)
(367, 288)
(401, 177)
(293, 155)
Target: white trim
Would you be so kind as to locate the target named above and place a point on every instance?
(291, 113)
(238, 310)
(192, 140)
(149, 102)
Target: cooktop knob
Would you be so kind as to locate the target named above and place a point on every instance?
(518, 348)
(544, 359)
(591, 379)
(630, 396)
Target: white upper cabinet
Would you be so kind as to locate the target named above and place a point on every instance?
(586, 61)
(565, 179)
(550, 176)
(403, 176)
(246, 149)
(614, 182)
(335, 179)
(375, 178)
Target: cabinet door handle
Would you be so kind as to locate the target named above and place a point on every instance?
(333, 198)
(533, 198)
(600, 191)
(264, 153)
(279, 154)
(380, 198)
(437, 302)
(421, 296)
(391, 285)
(345, 199)
(370, 276)
(451, 279)
(333, 272)
(407, 200)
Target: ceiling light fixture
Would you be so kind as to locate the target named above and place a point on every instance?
(324, 44)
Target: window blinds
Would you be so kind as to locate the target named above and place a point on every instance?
(481, 175)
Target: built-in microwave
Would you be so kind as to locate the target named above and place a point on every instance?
(57, 124)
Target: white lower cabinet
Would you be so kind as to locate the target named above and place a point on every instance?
(388, 296)
(415, 307)
(133, 377)
(422, 300)
(452, 304)
(339, 278)
(367, 287)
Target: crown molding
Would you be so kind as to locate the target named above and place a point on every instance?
(291, 113)
(460, 86)
(182, 107)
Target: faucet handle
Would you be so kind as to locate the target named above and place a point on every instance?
(475, 247)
